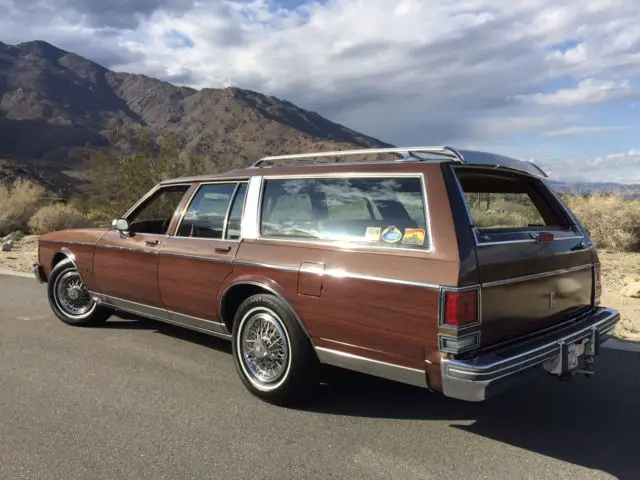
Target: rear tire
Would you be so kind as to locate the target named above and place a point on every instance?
(70, 300)
(272, 354)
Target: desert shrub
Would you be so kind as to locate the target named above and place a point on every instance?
(613, 222)
(485, 219)
(57, 217)
(18, 204)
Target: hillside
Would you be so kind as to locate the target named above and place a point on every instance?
(53, 102)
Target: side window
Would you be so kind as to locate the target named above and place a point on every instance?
(387, 212)
(206, 213)
(235, 217)
(154, 215)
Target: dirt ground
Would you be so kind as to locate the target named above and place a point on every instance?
(618, 271)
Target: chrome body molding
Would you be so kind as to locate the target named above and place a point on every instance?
(476, 378)
(193, 323)
(66, 242)
(196, 257)
(339, 273)
(389, 371)
(535, 276)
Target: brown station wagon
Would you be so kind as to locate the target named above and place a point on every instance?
(456, 271)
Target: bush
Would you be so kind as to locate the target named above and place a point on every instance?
(612, 221)
(57, 217)
(17, 205)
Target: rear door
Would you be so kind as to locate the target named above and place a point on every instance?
(534, 264)
(199, 255)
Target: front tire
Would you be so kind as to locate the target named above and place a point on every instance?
(70, 300)
(273, 356)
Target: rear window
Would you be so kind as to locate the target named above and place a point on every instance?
(506, 206)
(385, 212)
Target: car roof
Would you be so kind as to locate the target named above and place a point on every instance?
(410, 155)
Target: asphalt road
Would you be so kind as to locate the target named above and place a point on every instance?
(138, 399)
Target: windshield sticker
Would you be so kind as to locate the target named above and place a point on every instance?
(372, 234)
(391, 234)
(413, 236)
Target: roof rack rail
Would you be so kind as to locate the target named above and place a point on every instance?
(407, 151)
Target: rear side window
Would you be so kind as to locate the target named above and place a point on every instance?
(386, 212)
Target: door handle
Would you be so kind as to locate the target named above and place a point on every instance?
(223, 249)
(152, 243)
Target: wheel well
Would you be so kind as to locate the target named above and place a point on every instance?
(57, 258)
(234, 298)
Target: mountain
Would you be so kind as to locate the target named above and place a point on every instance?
(589, 188)
(53, 102)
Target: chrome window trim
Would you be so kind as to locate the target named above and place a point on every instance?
(190, 201)
(346, 244)
(527, 240)
(249, 225)
(441, 308)
(535, 276)
(389, 371)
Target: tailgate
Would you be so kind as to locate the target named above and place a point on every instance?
(535, 266)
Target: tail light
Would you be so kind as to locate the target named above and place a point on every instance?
(459, 322)
(597, 284)
(460, 308)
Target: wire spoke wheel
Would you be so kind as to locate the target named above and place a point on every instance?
(264, 348)
(71, 296)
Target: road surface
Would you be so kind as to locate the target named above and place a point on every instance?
(138, 399)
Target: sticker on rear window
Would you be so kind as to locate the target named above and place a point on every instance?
(413, 236)
(372, 234)
(391, 234)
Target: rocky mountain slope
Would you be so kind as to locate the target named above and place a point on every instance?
(53, 101)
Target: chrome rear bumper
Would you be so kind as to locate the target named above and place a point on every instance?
(478, 378)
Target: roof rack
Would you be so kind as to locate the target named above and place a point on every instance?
(406, 151)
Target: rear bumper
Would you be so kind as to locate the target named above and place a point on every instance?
(38, 272)
(478, 378)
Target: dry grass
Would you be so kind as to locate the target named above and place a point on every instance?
(17, 205)
(57, 217)
(613, 222)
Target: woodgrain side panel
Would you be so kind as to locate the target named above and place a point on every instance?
(190, 285)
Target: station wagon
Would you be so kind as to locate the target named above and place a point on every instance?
(451, 270)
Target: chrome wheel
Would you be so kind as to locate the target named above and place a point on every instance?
(264, 348)
(71, 296)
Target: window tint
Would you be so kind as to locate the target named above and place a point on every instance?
(206, 213)
(154, 215)
(380, 211)
(235, 217)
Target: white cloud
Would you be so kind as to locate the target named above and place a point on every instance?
(617, 167)
(588, 91)
(407, 71)
(582, 129)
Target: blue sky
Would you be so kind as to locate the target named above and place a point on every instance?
(553, 81)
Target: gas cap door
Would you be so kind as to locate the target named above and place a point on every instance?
(310, 279)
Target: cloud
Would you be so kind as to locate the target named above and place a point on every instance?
(582, 129)
(588, 91)
(406, 71)
(617, 167)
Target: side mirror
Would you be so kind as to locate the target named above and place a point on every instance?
(122, 226)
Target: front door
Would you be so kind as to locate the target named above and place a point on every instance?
(198, 257)
(126, 266)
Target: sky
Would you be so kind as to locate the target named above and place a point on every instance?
(551, 81)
